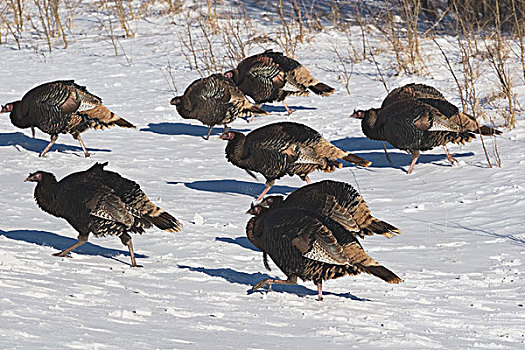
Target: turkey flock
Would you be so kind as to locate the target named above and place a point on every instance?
(314, 233)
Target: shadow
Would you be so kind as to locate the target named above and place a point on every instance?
(281, 109)
(251, 279)
(241, 241)
(37, 145)
(185, 129)
(49, 239)
(513, 239)
(353, 144)
(399, 158)
(251, 189)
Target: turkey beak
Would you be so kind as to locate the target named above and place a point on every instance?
(29, 178)
(358, 114)
(225, 136)
(250, 211)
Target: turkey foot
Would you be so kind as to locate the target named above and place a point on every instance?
(267, 282)
(63, 255)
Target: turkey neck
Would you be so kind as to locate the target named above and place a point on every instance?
(19, 116)
(235, 150)
(254, 228)
(369, 127)
(45, 194)
(184, 106)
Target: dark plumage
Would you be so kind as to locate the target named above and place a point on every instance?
(340, 202)
(285, 148)
(309, 244)
(61, 107)
(100, 202)
(214, 100)
(418, 118)
(271, 76)
(411, 91)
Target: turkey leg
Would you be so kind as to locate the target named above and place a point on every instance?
(76, 136)
(320, 290)
(451, 159)
(209, 133)
(132, 254)
(65, 252)
(51, 143)
(386, 153)
(266, 189)
(287, 108)
(267, 282)
(415, 156)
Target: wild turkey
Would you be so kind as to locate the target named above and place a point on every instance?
(340, 202)
(61, 107)
(285, 148)
(271, 76)
(100, 202)
(420, 123)
(309, 245)
(214, 100)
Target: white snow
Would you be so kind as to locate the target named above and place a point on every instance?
(460, 253)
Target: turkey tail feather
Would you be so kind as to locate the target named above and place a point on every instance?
(383, 273)
(124, 123)
(165, 221)
(257, 110)
(352, 158)
(487, 130)
(379, 227)
(105, 116)
(322, 89)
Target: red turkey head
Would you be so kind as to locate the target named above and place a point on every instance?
(232, 74)
(358, 114)
(34, 177)
(254, 209)
(272, 201)
(7, 108)
(176, 100)
(227, 136)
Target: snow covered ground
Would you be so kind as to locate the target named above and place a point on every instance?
(461, 252)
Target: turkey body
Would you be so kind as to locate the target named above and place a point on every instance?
(100, 202)
(214, 100)
(340, 202)
(418, 118)
(270, 76)
(308, 245)
(285, 148)
(61, 107)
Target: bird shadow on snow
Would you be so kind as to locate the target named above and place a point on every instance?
(49, 239)
(281, 109)
(251, 279)
(184, 129)
(399, 158)
(240, 241)
(18, 139)
(251, 189)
